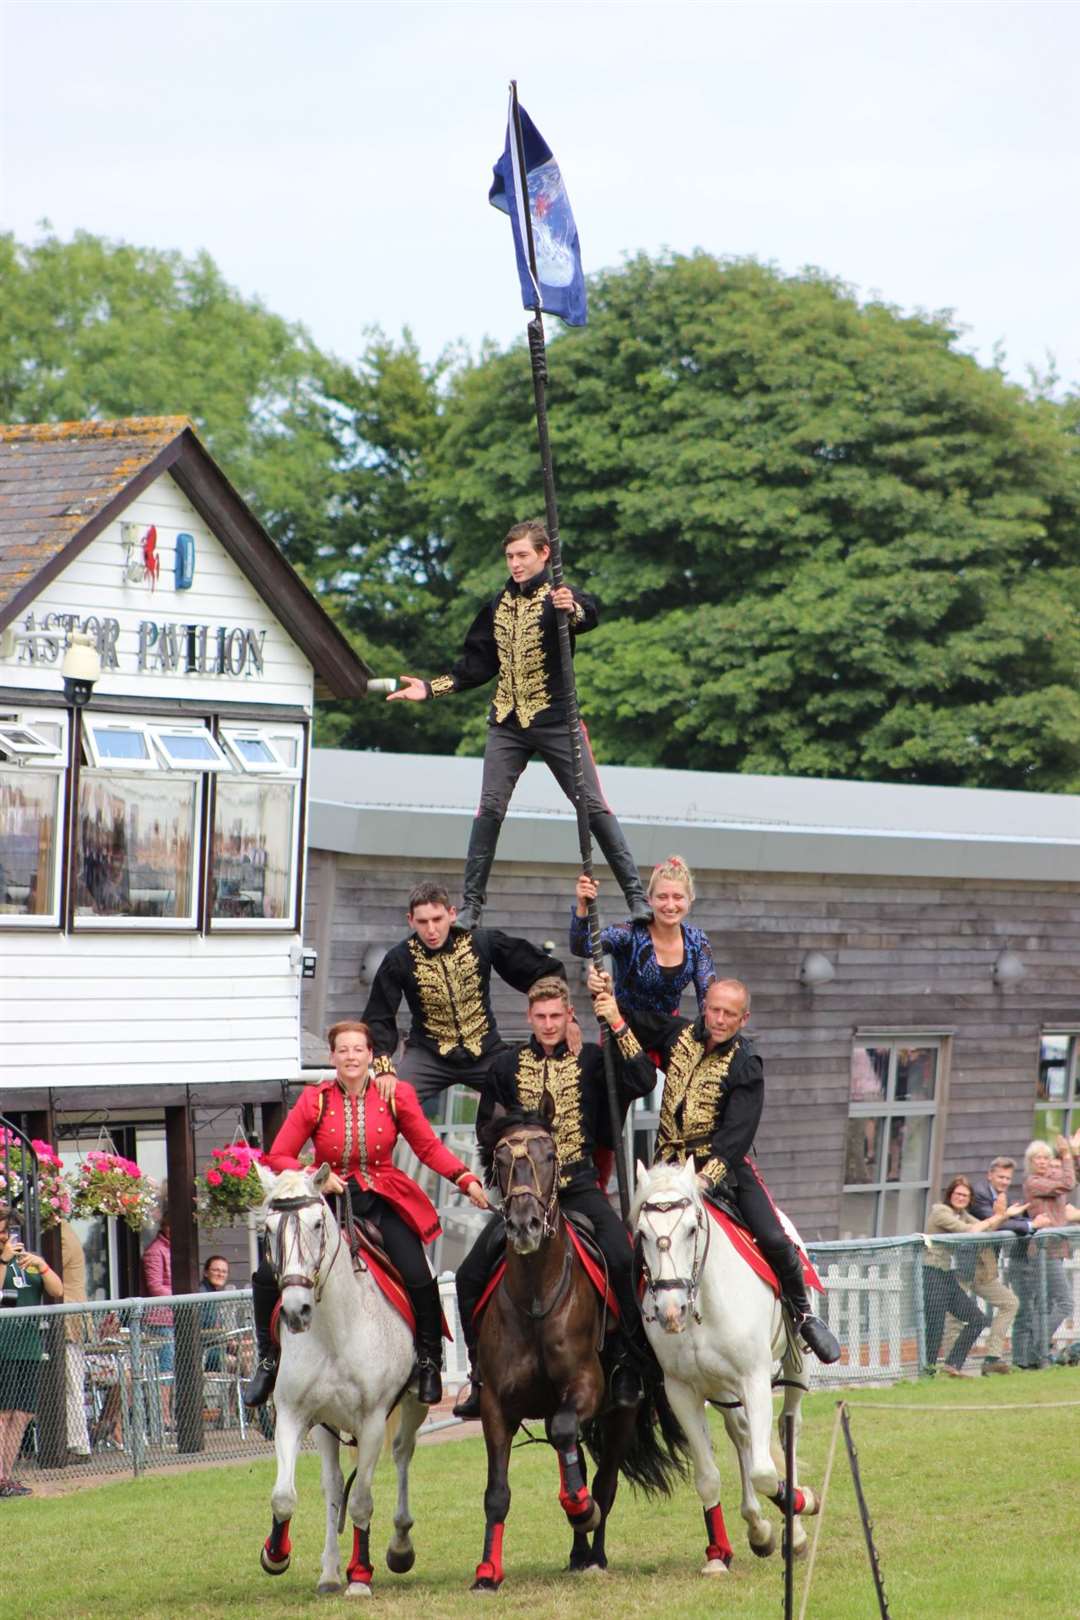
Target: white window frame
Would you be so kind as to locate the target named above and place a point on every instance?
(38, 750)
(123, 923)
(292, 776)
(54, 764)
(160, 732)
(1069, 1105)
(110, 722)
(232, 736)
(889, 1107)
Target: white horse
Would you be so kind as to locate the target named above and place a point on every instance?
(718, 1332)
(346, 1356)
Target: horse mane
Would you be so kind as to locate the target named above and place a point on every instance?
(662, 1178)
(491, 1133)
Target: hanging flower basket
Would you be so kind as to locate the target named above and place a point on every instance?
(229, 1186)
(108, 1184)
(54, 1198)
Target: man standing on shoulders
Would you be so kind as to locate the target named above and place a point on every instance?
(520, 1078)
(714, 1091)
(515, 637)
(444, 972)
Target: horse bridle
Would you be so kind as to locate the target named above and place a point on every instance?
(291, 1208)
(518, 1144)
(655, 1285)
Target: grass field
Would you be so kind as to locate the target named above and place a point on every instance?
(974, 1512)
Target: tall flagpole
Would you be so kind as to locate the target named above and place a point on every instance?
(538, 356)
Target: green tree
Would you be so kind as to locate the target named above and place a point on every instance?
(825, 542)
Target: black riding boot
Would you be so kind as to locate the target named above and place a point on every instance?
(481, 854)
(609, 835)
(467, 1404)
(425, 1301)
(810, 1328)
(625, 1387)
(260, 1387)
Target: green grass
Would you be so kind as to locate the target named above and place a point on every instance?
(974, 1512)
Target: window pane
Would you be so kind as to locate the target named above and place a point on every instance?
(1053, 1067)
(253, 751)
(119, 743)
(858, 1212)
(1050, 1123)
(903, 1211)
(289, 750)
(136, 842)
(869, 1073)
(28, 801)
(916, 1073)
(252, 874)
(861, 1151)
(909, 1148)
(182, 745)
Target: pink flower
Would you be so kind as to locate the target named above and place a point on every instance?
(213, 1178)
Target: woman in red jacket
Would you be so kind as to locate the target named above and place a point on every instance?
(353, 1123)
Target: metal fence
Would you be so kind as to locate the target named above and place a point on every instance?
(137, 1384)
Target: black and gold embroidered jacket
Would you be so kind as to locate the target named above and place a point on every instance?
(515, 637)
(712, 1101)
(520, 1076)
(449, 992)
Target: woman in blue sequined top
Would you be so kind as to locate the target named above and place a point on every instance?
(653, 962)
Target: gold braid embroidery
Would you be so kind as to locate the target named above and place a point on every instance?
(561, 1077)
(695, 1083)
(523, 678)
(451, 996)
(441, 685)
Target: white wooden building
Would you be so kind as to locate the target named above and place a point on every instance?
(151, 842)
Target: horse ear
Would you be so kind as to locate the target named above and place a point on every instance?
(266, 1176)
(321, 1177)
(547, 1108)
(642, 1177)
(689, 1175)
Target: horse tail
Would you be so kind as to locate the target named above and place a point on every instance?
(657, 1455)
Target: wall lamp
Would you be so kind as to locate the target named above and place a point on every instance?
(1008, 968)
(816, 969)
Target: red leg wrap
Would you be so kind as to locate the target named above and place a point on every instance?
(277, 1543)
(781, 1497)
(574, 1497)
(360, 1567)
(492, 1567)
(800, 1500)
(716, 1530)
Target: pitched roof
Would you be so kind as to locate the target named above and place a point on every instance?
(62, 483)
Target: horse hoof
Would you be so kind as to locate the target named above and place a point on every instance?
(801, 1548)
(594, 1569)
(811, 1503)
(766, 1548)
(274, 1566)
(329, 1589)
(715, 1566)
(485, 1585)
(358, 1589)
(399, 1563)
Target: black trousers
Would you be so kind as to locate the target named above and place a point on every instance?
(509, 749)
(478, 1264)
(942, 1293)
(759, 1212)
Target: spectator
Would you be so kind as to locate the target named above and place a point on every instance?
(157, 1284)
(215, 1277)
(74, 1263)
(986, 1191)
(1049, 1176)
(943, 1292)
(25, 1280)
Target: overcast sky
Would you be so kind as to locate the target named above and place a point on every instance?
(334, 159)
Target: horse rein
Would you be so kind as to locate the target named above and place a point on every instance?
(518, 1144)
(291, 1208)
(691, 1284)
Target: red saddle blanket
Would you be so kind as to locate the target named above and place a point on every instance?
(593, 1270)
(389, 1282)
(744, 1244)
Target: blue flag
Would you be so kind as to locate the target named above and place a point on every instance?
(558, 286)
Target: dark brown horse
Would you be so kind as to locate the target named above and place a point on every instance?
(539, 1357)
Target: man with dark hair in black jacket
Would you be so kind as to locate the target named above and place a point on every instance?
(444, 973)
(1013, 1305)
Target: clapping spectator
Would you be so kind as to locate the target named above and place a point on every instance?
(1050, 1175)
(989, 1196)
